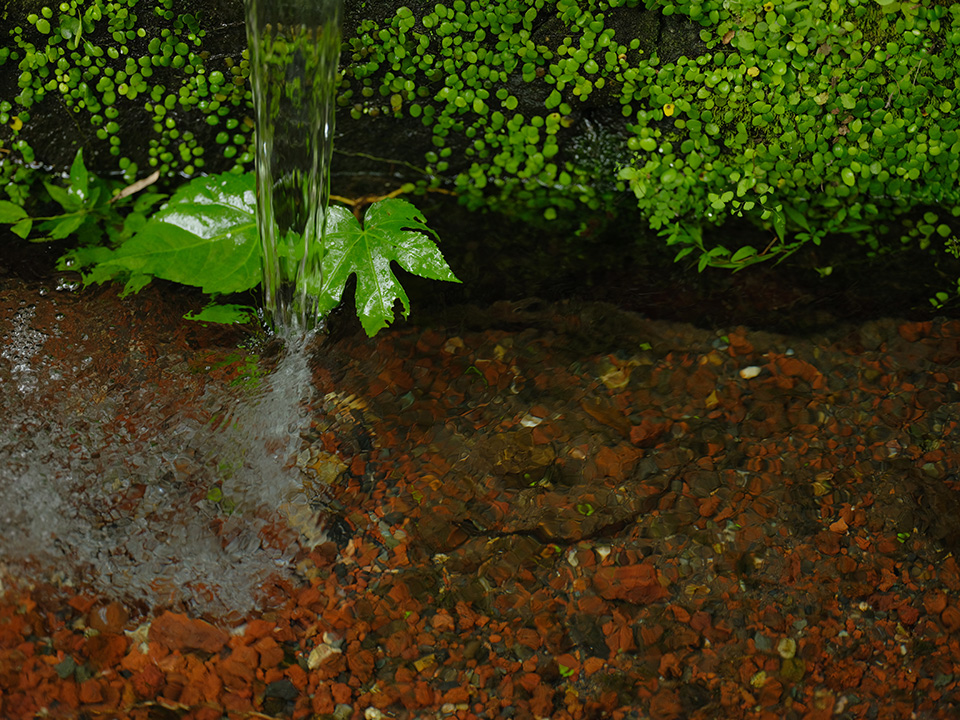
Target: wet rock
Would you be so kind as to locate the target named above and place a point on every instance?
(634, 583)
(179, 632)
(282, 689)
(109, 618)
(792, 669)
(515, 457)
(586, 632)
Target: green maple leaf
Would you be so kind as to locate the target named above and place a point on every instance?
(205, 236)
(393, 231)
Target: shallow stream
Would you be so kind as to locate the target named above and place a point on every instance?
(139, 463)
(531, 509)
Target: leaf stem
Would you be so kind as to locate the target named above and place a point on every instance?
(358, 203)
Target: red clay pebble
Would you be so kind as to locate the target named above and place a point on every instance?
(91, 692)
(109, 618)
(633, 583)
(950, 618)
(239, 670)
(271, 654)
(178, 632)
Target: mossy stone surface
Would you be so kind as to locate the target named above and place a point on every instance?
(812, 120)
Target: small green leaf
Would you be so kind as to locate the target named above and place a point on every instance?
(135, 283)
(64, 226)
(83, 257)
(70, 26)
(797, 217)
(779, 223)
(743, 253)
(62, 197)
(79, 178)
(22, 228)
(11, 213)
(226, 314)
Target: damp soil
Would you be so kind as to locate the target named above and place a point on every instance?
(662, 506)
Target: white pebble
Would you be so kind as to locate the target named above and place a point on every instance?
(787, 648)
(751, 371)
(319, 655)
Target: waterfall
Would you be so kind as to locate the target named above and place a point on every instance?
(294, 50)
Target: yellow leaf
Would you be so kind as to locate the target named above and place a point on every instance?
(668, 109)
(16, 124)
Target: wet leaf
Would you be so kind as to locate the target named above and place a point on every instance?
(22, 228)
(63, 197)
(225, 313)
(79, 179)
(205, 236)
(64, 226)
(393, 230)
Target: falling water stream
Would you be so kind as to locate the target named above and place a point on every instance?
(294, 49)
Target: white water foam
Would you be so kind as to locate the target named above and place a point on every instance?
(90, 496)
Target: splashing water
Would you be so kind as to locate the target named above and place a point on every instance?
(294, 50)
(166, 489)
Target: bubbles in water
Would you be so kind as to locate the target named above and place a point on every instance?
(108, 484)
(21, 346)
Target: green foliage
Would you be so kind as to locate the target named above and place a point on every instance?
(97, 59)
(393, 230)
(809, 128)
(810, 119)
(224, 313)
(94, 210)
(814, 119)
(206, 236)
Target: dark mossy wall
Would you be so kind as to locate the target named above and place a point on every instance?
(812, 119)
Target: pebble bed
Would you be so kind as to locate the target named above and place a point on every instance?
(559, 511)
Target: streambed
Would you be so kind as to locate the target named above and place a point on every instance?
(530, 510)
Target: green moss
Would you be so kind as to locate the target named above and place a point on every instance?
(85, 56)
